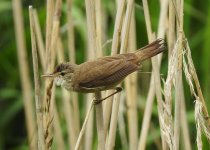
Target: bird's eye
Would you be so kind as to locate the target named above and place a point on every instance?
(62, 73)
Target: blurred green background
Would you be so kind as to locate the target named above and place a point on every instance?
(12, 122)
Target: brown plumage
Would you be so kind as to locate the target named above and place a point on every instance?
(105, 72)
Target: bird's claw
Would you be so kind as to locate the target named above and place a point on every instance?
(96, 101)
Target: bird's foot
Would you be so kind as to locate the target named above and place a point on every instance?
(98, 101)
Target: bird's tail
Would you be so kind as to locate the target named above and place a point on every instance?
(151, 49)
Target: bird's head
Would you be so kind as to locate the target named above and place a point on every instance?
(62, 74)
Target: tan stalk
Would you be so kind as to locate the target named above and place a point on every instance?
(99, 109)
(40, 43)
(98, 38)
(98, 15)
(89, 129)
(193, 73)
(39, 114)
(171, 29)
(82, 131)
(113, 123)
(184, 125)
(124, 40)
(171, 44)
(50, 54)
(72, 51)
(122, 123)
(56, 124)
(201, 112)
(24, 74)
(131, 92)
(151, 93)
(60, 144)
(68, 112)
(49, 21)
(155, 64)
(114, 49)
(178, 80)
(90, 123)
(95, 46)
(147, 115)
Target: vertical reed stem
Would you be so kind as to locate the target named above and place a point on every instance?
(115, 45)
(178, 78)
(39, 114)
(24, 74)
(72, 58)
(95, 44)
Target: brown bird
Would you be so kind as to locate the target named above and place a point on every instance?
(103, 73)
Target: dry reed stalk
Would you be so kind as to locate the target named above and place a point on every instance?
(155, 60)
(24, 74)
(98, 22)
(200, 107)
(171, 44)
(178, 78)
(184, 125)
(49, 21)
(194, 76)
(168, 122)
(121, 123)
(171, 29)
(99, 109)
(151, 93)
(48, 83)
(114, 49)
(71, 51)
(40, 43)
(82, 131)
(89, 129)
(113, 122)
(68, 112)
(50, 54)
(60, 144)
(130, 86)
(71, 40)
(88, 141)
(201, 123)
(90, 123)
(124, 40)
(158, 95)
(147, 116)
(95, 46)
(39, 114)
(56, 124)
(100, 123)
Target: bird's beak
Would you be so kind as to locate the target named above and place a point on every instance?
(52, 75)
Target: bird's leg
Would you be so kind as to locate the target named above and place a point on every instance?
(118, 89)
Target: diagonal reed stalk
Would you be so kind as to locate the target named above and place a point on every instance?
(40, 43)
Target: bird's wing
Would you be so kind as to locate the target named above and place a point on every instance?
(108, 73)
